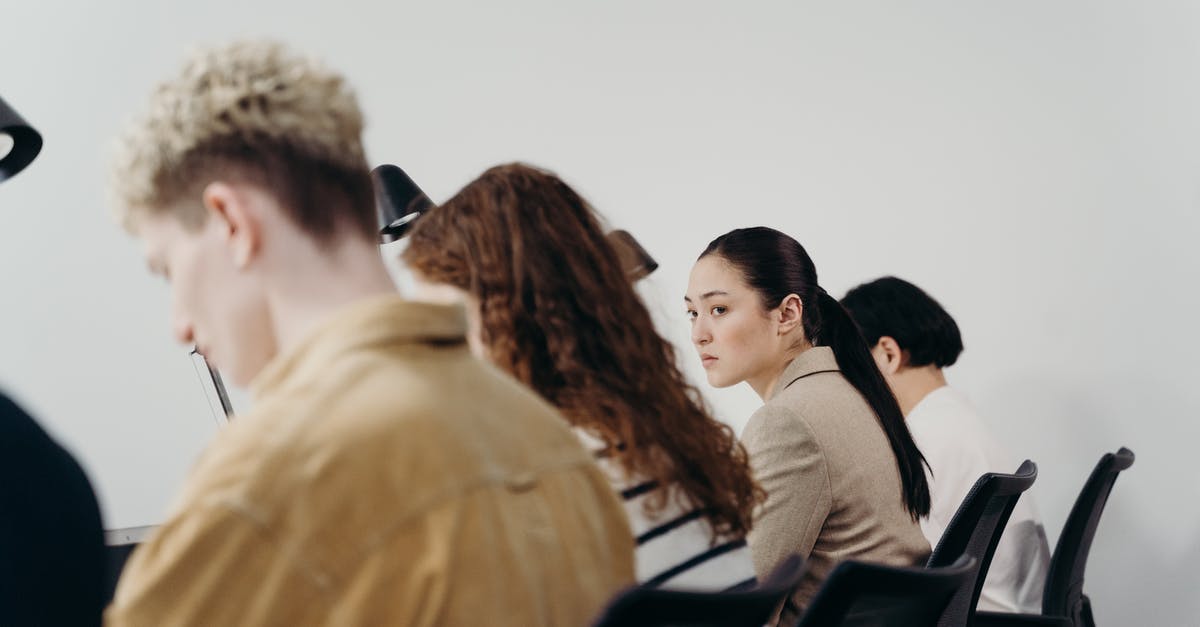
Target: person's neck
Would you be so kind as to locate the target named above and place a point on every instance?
(765, 382)
(912, 385)
(312, 286)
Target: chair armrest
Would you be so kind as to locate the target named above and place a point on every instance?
(1004, 619)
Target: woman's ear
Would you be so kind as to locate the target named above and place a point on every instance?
(790, 314)
(236, 219)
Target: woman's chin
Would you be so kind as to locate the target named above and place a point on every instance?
(716, 380)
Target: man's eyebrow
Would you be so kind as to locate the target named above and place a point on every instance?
(708, 295)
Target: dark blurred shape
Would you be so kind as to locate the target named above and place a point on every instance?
(398, 201)
(52, 560)
(635, 261)
(27, 142)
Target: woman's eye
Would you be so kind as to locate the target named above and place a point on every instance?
(718, 310)
(691, 314)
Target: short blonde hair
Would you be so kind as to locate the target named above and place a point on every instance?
(250, 112)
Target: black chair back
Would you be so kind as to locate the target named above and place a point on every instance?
(1064, 582)
(858, 594)
(975, 530)
(656, 607)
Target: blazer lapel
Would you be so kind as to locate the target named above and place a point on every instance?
(812, 361)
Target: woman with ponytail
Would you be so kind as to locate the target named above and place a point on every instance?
(844, 479)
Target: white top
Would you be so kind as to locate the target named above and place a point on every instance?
(959, 448)
(675, 549)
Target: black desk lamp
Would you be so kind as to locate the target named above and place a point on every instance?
(398, 201)
(635, 261)
(22, 142)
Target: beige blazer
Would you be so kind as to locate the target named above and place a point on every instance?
(833, 485)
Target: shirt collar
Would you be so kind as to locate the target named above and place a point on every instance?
(372, 322)
(814, 360)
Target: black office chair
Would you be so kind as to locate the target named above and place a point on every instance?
(1063, 602)
(858, 594)
(975, 530)
(656, 607)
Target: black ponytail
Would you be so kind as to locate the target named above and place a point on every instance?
(776, 265)
(838, 331)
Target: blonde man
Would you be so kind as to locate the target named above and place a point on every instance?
(384, 477)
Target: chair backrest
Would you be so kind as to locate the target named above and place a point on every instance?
(656, 607)
(975, 530)
(1064, 582)
(857, 594)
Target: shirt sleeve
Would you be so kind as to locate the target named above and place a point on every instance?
(789, 465)
(212, 565)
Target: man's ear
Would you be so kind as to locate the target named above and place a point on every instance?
(790, 314)
(232, 212)
(889, 355)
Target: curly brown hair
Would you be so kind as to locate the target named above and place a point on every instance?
(559, 314)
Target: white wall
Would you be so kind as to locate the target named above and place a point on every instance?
(1033, 165)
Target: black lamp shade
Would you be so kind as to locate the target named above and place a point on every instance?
(27, 143)
(635, 261)
(398, 201)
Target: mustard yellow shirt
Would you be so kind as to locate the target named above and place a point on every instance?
(385, 477)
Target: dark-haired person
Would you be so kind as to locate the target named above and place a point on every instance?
(844, 479)
(553, 305)
(384, 475)
(913, 338)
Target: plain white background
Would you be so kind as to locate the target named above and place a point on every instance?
(1032, 164)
